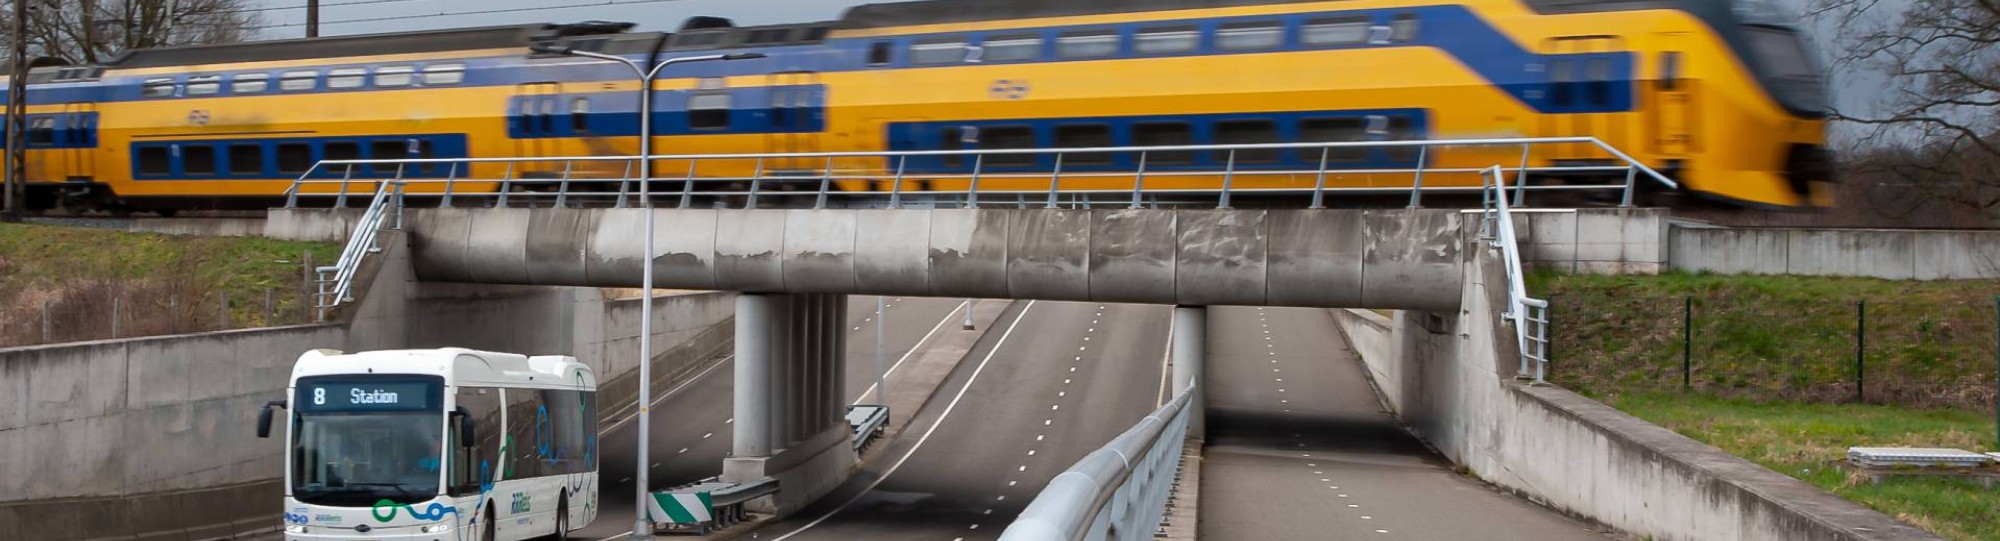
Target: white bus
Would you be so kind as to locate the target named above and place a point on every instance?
(440, 444)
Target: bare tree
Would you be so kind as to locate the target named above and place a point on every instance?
(1932, 129)
(92, 31)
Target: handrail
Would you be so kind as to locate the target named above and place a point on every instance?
(338, 289)
(821, 179)
(1116, 492)
(1530, 315)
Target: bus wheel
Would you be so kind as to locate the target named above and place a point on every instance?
(487, 534)
(562, 519)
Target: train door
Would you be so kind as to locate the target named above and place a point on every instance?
(79, 141)
(1672, 108)
(798, 116)
(1582, 92)
(537, 121)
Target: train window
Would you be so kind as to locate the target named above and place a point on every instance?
(344, 150)
(155, 161)
(389, 149)
(294, 158)
(395, 76)
(342, 78)
(548, 116)
(1403, 27)
(1402, 129)
(1670, 71)
(204, 86)
(1166, 40)
(198, 159)
(879, 53)
(250, 83)
(709, 110)
(579, 115)
(296, 81)
(1598, 71)
(1562, 74)
(1247, 132)
(1336, 130)
(1336, 31)
(953, 139)
(1250, 36)
(1005, 137)
(934, 52)
(1013, 48)
(246, 159)
(444, 74)
(1084, 136)
(1087, 44)
(42, 131)
(157, 88)
(1160, 134)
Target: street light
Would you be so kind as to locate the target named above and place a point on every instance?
(640, 528)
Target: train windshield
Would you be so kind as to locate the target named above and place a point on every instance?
(359, 442)
(1788, 68)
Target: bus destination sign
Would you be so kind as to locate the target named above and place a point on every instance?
(355, 396)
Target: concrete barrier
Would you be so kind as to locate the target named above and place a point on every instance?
(1876, 253)
(1450, 378)
(154, 437)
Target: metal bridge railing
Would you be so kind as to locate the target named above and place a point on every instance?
(336, 282)
(970, 177)
(1530, 315)
(1116, 492)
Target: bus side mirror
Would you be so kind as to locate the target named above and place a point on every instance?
(466, 438)
(264, 418)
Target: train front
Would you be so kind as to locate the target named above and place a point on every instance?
(1767, 128)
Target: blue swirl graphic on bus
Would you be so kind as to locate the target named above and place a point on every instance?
(434, 512)
(544, 435)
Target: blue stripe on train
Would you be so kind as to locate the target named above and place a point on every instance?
(1289, 127)
(288, 157)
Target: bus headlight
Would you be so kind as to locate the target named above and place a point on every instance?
(295, 528)
(440, 527)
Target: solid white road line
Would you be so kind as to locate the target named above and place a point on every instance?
(919, 346)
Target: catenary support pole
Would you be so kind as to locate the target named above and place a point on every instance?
(1190, 349)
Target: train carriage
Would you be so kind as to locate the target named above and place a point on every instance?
(1707, 91)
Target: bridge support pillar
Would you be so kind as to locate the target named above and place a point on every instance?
(790, 415)
(1190, 350)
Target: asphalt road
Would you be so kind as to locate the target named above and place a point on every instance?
(1299, 448)
(692, 423)
(1055, 382)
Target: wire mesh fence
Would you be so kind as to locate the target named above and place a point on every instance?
(1925, 354)
(83, 309)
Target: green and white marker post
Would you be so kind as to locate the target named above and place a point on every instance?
(681, 508)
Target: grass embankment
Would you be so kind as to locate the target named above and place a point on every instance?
(1773, 374)
(159, 284)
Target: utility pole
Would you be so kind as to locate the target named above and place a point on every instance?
(312, 18)
(17, 90)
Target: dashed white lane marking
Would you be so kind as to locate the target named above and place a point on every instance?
(975, 526)
(988, 512)
(1381, 531)
(625, 480)
(705, 436)
(683, 450)
(1002, 498)
(955, 399)
(732, 420)
(1038, 437)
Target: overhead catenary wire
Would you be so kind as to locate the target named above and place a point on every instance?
(443, 13)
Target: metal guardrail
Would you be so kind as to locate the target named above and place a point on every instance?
(336, 282)
(1530, 315)
(967, 176)
(868, 422)
(1116, 492)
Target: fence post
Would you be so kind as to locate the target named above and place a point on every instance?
(117, 310)
(270, 307)
(223, 310)
(1860, 345)
(46, 327)
(1687, 342)
(306, 286)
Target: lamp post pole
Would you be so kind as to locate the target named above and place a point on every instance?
(641, 528)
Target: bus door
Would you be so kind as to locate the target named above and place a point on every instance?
(1672, 111)
(1581, 89)
(536, 121)
(77, 132)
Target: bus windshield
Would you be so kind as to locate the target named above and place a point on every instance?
(356, 443)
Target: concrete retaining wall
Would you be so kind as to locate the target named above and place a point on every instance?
(1449, 377)
(1593, 241)
(155, 436)
(1878, 253)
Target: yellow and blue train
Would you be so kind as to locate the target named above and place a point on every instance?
(1700, 89)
